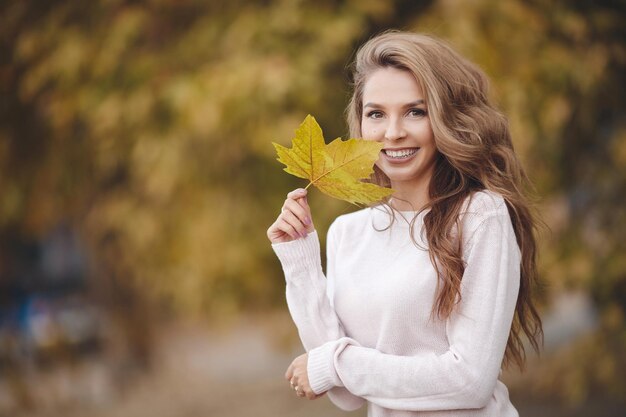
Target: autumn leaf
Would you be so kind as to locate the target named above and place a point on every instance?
(335, 169)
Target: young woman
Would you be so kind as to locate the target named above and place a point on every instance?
(426, 294)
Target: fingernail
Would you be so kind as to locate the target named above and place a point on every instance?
(307, 220)
(305, 200)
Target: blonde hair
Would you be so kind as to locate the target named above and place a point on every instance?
(475, 152)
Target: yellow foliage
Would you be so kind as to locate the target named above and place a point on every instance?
(336, 168)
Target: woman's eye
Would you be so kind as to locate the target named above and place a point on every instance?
(375, 114)
(417, 112)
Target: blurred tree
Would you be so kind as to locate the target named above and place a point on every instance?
(149, 127)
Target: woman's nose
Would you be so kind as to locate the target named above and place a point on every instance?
(394, 130)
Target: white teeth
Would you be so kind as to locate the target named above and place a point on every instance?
(400, 154)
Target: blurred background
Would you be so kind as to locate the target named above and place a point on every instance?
(137, 180)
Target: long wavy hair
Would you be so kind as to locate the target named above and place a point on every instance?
(475, 152)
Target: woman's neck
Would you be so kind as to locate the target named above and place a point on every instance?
(409, 198)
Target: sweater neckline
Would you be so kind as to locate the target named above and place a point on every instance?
(391, 200)
(403, 218)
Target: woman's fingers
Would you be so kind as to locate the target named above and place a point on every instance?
(300, 197)
(298, 207)
(294, 221)
(298, 377)
(297, 193)
(282, 231)
(307, 218)
(287, 228)
(289, 373)
(302, 213)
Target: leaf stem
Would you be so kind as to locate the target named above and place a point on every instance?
(307, 187)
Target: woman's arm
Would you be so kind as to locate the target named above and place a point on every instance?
(462, 377)
(306, 289)
(309, 303)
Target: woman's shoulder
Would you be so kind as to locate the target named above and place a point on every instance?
(486, 210)
(484, 203)
(351, 222)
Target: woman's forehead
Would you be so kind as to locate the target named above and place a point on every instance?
(391, 86)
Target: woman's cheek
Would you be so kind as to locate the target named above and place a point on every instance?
(369, 134)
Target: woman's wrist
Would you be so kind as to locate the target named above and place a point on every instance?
(320, 368)
(299, 253)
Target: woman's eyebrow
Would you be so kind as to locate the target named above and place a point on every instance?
(414, 103)
(411, 104)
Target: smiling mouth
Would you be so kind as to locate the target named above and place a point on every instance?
(400, 153)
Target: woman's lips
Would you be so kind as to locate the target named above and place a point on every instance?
(399, 155)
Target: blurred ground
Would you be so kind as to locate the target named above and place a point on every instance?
(232, 368)
(197, 371)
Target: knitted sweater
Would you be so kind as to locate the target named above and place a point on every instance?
(367, 325)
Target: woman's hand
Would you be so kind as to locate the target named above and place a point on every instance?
(299, 379)
(294, 221)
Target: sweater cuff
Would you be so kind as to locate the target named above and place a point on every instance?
(299, 253)
(321, 368)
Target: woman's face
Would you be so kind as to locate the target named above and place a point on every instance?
(394, 113)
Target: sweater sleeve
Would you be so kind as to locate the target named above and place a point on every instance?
(309, 304)
(465, 375)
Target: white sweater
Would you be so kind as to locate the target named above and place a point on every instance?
(367, 325)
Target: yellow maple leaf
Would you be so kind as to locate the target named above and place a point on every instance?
(336, 168)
